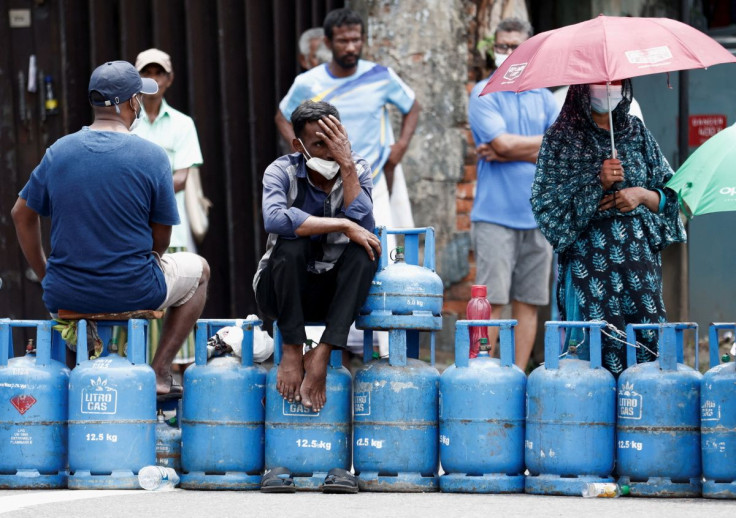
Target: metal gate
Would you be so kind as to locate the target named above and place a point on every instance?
(233, 61)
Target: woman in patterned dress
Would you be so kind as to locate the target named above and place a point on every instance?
(607, 218)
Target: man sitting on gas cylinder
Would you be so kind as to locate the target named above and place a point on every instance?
(110, 198)
(321, 253)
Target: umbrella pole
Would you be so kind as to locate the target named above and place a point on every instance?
(610, 119)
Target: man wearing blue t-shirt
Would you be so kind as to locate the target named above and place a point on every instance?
(360, 90)
(512, 257)
(110, 198)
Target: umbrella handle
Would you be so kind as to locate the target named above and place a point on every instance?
(610, 119)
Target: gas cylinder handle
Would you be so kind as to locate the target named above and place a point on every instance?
(204, 326)
(553, 342)
(43, 342)
(137, 341)
(5, 342)
(336, 358)
(43, 339)
(671, 346)
(397, 347)
(411, 245)
(462, 340)
(713, 329)
(246, 346)
(82, 351)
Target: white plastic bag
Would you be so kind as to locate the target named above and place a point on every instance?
(230, 340)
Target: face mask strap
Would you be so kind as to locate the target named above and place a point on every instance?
(304, 148)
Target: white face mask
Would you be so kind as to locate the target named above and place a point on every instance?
(327, 168)
(138, 115)
(500, 58)
(599, 98)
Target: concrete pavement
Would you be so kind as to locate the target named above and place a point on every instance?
(223, 504)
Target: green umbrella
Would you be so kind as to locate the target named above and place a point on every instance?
(706, 182)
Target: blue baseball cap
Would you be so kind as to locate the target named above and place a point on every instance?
(118, 81)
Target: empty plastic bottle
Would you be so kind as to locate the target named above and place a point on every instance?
(158, 478)
(604, 490)
(478, 309)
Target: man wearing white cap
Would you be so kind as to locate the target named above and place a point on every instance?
(175, 132)
(110, 198)
(172, 130)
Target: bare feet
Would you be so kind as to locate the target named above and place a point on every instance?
(290, 372)
(314, 388)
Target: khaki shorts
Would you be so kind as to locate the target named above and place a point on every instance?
(182, 271)
(513, 264)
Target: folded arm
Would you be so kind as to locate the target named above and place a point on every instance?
(315, 225)
(509, 147)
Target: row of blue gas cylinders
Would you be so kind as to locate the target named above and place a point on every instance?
(567, 425)
(649, 430)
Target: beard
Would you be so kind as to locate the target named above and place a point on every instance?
(347, 61)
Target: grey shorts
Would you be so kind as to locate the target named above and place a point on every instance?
(182, 271)
(513, 264)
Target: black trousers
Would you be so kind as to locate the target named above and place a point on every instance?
(290, 294)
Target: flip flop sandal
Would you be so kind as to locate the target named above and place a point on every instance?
(175, 391)
(340, 481)
(278, 480)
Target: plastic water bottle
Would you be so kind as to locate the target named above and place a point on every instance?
(158, 478)
(478, 309)
(604, 490)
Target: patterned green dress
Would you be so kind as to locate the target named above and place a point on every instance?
(609, 261)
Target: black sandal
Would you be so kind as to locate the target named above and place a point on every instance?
(175, 391)
(340, 481)
(278, 480)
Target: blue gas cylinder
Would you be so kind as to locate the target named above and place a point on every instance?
(404, 294)
(718, 422)
(309, 443)
(168, 443)
(482, 416)
(658, 428)
(112, 414)
(570, 419)
(222, 414)
(33, 412)
(395, 422)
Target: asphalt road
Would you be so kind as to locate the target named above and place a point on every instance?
(223, 504)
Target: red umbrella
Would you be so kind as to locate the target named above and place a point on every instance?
(605, 49)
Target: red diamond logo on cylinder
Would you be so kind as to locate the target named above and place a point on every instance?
(23, 403)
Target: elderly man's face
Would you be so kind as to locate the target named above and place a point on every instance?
(311, 60)
(158, 74)
(506, 42)
(346, 45)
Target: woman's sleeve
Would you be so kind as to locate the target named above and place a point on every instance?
(565, 193)
(665, 227)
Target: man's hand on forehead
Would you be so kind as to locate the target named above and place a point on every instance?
(335, 136)
(332, 128)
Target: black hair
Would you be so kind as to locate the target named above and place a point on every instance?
(311, 111)
(515, 25)
(340, 18)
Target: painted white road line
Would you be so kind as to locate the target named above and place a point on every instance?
(32, 499)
